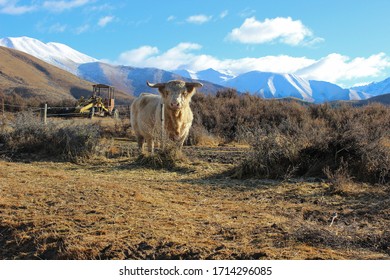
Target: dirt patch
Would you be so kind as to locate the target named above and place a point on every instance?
(221, 154)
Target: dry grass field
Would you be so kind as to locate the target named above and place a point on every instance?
(306, 182)
(116, 208)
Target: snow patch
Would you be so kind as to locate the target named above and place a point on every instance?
(271, 85)
(57, 54)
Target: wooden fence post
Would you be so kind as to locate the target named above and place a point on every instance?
(129, 111)
(162, 126)
(44, 114)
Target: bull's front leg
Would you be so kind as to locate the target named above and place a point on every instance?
(150, 144)
(182, 139)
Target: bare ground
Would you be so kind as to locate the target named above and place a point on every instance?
(116, 209)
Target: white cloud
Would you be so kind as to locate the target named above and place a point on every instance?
(12, 7)
(360, 84)
(223, 14)
(103, 7)
(247, 12)
(285, 30)
(81, 29)
(182, 56)
(48, 27)
(57, 28)
(179, 56)
(171, 18)
(279, 64)
(334, 67)
(60, 6)
(105, 20)
(199, 19)
(137, 57)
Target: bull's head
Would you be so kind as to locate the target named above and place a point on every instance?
(176, 94)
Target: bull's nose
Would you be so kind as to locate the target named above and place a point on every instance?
(175, 105)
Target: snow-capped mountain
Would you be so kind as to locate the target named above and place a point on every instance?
(132, 80)
(276, 85)
(125, 78)
(186, 74)
(375, 89)
(57, 54)
(210, 75)
(272, 85)
(325, 91)
(214, 76)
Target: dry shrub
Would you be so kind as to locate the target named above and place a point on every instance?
(229, 115)
(109, 148)
(75, 142)
(299, 139)
(199, 136)
(169, 157)
(111, 127)
(357, 140)
(271, 156)
(340, 179)
(27, 134)
(68, 140)
(350, 138)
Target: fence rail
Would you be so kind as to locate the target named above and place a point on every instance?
(44, 110)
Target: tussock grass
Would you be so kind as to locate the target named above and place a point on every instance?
(168, 157)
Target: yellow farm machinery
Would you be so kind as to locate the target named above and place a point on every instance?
(101, 103)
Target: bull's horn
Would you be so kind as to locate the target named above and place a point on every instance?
(158, 85)
(196, 84)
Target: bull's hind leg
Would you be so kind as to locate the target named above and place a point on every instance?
(140, 141)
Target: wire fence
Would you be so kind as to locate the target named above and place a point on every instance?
(46, 111)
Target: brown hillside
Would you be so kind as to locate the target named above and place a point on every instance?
(383, 98)
(30, 78)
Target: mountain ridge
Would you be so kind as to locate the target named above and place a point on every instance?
(28, 77)
(132, 79)
(57, 54)
(376, 88)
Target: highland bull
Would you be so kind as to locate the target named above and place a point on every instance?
(146, 117)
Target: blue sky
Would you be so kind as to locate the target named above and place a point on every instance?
(340, 41)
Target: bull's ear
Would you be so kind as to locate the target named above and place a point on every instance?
(159, 86)
(191, 87)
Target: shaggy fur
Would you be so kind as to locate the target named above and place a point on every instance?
(146, 113)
